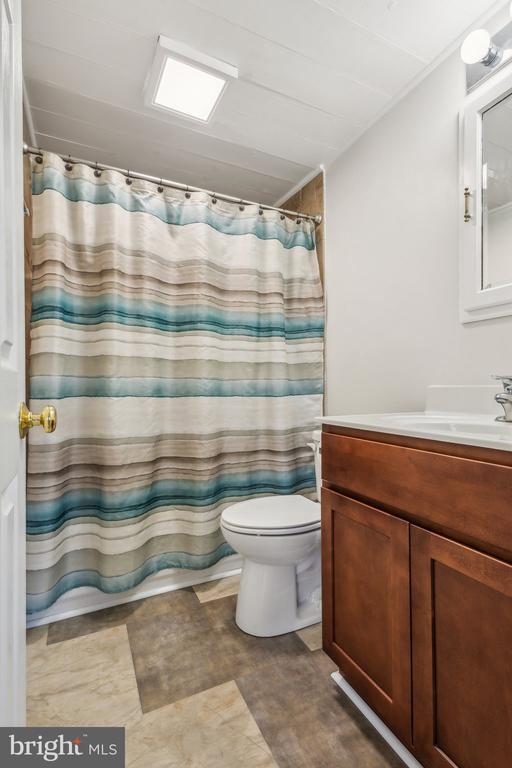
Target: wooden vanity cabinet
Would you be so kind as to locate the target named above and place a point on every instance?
(462, 654)
(420, 623)
(366, 621)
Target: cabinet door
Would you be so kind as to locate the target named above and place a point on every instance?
(366, 604)
(462, 654)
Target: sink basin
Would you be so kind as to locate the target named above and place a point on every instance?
(466, 428)
(471, 424)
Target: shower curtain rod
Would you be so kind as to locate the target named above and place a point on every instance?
(174, 184)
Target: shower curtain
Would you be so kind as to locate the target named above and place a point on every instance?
(181, 339)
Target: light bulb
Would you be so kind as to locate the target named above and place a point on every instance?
(479, 48)
(475, 47)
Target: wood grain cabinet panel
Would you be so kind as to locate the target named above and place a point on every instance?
(366, 603)
(462, 654)
(463, 498)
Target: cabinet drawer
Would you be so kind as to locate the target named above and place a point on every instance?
(467, 499)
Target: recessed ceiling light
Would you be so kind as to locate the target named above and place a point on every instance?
(188, 90)
(186, 82)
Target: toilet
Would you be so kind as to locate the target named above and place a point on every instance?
(279, 539)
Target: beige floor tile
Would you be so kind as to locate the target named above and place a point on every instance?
(212, 729)
(213, 590)
(88, 680)
(311, 636)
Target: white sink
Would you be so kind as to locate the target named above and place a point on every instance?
(468, 428)
(463, 428)
(473, 425)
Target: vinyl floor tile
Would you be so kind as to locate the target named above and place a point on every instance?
(176, 657)
(85, 681)
(213, 590)
(307, 722)
(173, 658)
(212, 729)
(37, 637)
(195, 691)
(181, 601)
(311, 636)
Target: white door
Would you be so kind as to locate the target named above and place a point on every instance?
(12, 373)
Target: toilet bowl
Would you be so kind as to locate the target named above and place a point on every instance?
(279, 539)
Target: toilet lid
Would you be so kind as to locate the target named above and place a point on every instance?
(273, 514)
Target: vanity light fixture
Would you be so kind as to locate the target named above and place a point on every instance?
(484, 54)
(186, 82)
(478, 48)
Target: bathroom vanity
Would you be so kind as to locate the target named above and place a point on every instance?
(417, 580)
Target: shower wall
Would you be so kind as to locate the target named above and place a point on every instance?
(310, 199)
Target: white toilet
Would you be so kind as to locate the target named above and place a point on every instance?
(279, 538)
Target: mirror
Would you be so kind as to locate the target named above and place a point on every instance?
(497, 195)
(485, 242)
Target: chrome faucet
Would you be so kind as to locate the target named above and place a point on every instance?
(505, 398)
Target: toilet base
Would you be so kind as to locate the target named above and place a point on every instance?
(268, 604)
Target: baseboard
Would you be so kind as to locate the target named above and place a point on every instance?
(389, 737)
(88, 599)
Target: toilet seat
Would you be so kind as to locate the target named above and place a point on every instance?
(272, 516)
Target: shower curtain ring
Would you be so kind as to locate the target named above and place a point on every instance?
(187, 194)
(214, 199)
(69, 165)
(160, 187)
(260, 211)
(128, 179)
(39, 157)
(241, 206)
(97, 171)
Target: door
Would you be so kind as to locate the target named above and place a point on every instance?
(366, 603)
(12, 375)
(462, 654)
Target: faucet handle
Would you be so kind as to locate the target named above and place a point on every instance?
(505, 380)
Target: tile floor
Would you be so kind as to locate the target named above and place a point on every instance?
(193, 690)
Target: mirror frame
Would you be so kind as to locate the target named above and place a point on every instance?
(476, 303)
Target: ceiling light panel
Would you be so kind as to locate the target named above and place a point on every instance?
(186, 82)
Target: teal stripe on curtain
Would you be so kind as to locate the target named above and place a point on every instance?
(56, 387)
(80, 187)
(114, 584)
(182, 343)
(52, 304)
(99, 503)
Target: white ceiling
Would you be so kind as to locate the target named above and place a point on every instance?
(313, 75)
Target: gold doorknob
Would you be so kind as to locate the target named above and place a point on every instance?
(47, 419)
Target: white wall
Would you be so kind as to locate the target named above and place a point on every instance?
(392, 260)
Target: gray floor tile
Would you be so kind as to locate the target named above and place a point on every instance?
(181, 601)
(307, 722)
(176, 657)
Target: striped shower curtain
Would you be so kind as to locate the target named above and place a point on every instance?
(181, 340)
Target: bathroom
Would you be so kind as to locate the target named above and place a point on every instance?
(256, 410)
